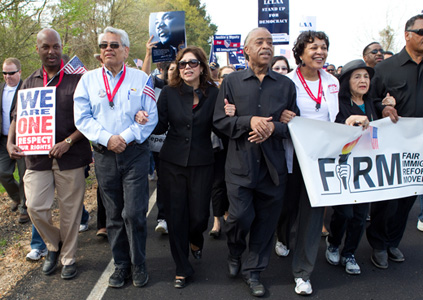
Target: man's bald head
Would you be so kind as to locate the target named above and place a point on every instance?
(48, 32)
(49, 48)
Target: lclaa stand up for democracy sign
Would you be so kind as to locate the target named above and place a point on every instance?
(36, 114)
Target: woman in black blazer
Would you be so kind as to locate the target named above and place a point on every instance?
(185, 109)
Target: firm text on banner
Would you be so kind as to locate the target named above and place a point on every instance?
(345, 165)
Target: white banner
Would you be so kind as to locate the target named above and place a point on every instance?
(345, 165)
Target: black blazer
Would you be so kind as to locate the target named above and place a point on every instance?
(12, 107)
(188, 141)
(348, 108)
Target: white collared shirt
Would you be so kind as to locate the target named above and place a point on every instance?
(8, 94)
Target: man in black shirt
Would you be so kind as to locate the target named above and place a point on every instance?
(402, 77)
(255, 165)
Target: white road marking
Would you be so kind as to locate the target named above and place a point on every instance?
(102, 284)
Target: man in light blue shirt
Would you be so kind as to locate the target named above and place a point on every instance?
(106, 101)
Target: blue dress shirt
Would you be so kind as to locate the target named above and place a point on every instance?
(95, 118)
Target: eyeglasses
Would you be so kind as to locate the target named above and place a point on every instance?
(417, 31)
(10, 73)
(330, 70)
(193, 63)
(375, 51)
(112, 45)
(278, 68)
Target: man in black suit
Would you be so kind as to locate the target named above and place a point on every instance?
(8, 94)
(255, 166)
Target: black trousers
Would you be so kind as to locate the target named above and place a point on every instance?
(254, 211)
(388, 222)
(220, 202)
(349, 220)
(159, 189)
(186, 194)
(291, 204)
(101, 211)
(123, 184)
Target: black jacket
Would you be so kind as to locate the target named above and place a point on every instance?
(188, 141)
(348, 108)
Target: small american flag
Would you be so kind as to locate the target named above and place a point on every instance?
(149, 89)
(75, 66)
(375, 144)
(138, 62)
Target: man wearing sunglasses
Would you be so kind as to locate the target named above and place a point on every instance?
(373, 54)
(62, 170)
(402, 77)
(331, 69)
(8, 95)
(105, 103)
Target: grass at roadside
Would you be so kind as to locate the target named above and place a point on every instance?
(16, 175)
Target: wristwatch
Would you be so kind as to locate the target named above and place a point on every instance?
(69, 141)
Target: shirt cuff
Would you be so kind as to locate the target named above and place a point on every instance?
(104, 138)
(127, 135)
(244, 122)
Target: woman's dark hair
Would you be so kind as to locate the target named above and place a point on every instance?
(307, 37)
(205, 76)
(166, 67)
(278, 58)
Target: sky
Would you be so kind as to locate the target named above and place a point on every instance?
(350, 25)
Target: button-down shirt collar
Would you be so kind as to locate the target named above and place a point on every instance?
(250, 73)
(110, 74)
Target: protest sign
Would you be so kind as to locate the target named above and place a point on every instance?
(226, 43)
(36, 120)
(345, 165)
(168, 29)
(274, 16)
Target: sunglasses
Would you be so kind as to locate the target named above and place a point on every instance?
(375, 51)
(277, 69)
(330, 70)
(10, 73)
(112, 45)
(193, 63)
(417, 31)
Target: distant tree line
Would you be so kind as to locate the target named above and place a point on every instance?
(80, 21)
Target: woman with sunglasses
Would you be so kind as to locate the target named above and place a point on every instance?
(185, 109)
(280, 65)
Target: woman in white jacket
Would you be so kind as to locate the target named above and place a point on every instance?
(317, 98)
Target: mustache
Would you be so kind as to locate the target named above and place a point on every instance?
(265, 52)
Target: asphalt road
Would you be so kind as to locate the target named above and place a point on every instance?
(399, 281)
